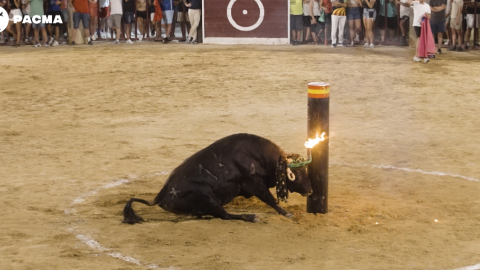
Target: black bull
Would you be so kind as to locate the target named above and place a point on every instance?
(238, 165)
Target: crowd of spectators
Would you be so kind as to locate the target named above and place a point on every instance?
(115, 15)
(372, 22)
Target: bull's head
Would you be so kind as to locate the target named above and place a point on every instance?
(292, 176)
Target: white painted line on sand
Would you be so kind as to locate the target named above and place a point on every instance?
(407, 170)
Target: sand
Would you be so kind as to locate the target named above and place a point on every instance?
(83, 129)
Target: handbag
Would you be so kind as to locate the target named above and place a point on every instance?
(321, 18)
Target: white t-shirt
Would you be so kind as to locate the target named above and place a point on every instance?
(449, 7)
(404, 11)
(116, 7)
(418, 11)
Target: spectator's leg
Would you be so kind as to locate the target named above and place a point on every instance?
(358, 27)
(44, 34)
(341, 28)
(454, 37)
(57, 33)
(440, 40)
(27, 30)
(334, 29)
(141, 27)
(351, 26)
(35, 34)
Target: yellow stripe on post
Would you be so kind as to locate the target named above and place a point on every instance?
(318, 90)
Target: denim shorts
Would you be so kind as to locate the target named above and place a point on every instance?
(353, 14)
(84, 17)
(128, 17)
(369, 13)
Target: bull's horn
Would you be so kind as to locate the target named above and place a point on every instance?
(290, 175)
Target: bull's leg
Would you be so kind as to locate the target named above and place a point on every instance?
(259, 190)
(219, 212)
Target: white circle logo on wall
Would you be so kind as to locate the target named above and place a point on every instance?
(249, 28)
(3, 19)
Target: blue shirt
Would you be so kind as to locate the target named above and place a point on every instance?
(166, 5)
(52, 6)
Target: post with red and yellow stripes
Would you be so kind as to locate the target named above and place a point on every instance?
(317, 123)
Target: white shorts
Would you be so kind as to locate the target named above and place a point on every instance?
(168, 14)
(15, 12)
(470, 20)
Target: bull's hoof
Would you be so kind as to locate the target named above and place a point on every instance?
(288, 215)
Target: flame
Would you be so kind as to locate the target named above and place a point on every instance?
(311, 143)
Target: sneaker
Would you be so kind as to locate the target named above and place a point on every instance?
(46, 45)
(90, 42)
(94, 37)
(340, 45)
(115, 42)
(195, 42)
(366, 45)
(55, 43)
(73, 43)
(452, 48)
(129, 42)
(459, 49)
(426, 60)
(352, 43)
(140, 39)
(189, 40)
(357, 39)
(50, 41)
(334, 45)
(439, 51)
(446, 42)
(372, 46)
(38, 45)
(417, 59)
(467, 45)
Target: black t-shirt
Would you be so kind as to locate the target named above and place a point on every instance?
(12, 5)
(438, 17)
(129, 6)
(196, 4)
(471, 10)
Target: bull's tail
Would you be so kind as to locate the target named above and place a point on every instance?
(129, 215)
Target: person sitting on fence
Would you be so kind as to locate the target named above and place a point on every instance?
(420, 10)
(354, 18)
(168, 11)
(404, 20)
(437, 22)
(338, 21)
(128, 11)
(15, 11)
(36, 9)
(80, 13)
(470, 18)
(114, 21)
(53, 29)
(369, 16)
(391, 18)
(141, 17)
(456, 25)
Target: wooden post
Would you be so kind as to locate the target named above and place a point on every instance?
(317, 123)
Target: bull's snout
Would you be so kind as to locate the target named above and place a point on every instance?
(308, 193)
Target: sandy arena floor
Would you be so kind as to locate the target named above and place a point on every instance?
(84, 129)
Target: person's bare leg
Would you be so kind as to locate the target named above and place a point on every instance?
(87, 32)
(382, 34)
(93, 24)
(358, 27)
(440, 40)
(10, 31)
(57, 33)
(307, 34)
(140, 26)
(351, 26)
(370, 28)
(168, 30)
(128, 31)
(35, 34)
(27, 30)
(44, 34)
(74, 34)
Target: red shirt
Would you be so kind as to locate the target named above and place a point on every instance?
(81, 6)
(328, 5)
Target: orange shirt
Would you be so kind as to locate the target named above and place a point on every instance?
(81, 6)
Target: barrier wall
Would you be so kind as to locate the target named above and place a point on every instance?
(246, 21)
